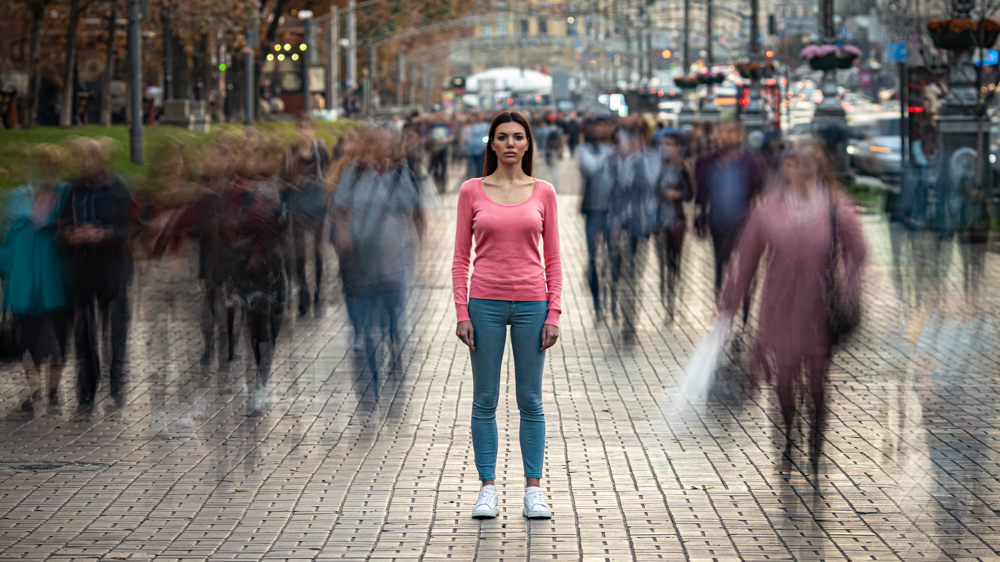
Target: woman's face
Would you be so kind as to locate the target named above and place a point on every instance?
(510, 142)
(793, 172)
(801, 171)
(671, 150)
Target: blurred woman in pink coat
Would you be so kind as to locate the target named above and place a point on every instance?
(791, 229)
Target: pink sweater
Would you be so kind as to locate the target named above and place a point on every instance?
(508, 264)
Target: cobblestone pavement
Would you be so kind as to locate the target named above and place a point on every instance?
(347, 466)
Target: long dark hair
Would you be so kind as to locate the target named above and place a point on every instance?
(491, 155)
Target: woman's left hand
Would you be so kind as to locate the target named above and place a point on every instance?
(550, 334)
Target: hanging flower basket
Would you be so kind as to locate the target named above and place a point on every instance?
(755, 70)
(828, 62)
(830, 57)
(686, 83)
(709, 79)
(848, 55)
(962, 34)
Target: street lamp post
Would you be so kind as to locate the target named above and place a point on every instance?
(963, 127)
(333, 59)
(753, 116)
(136, 134)
(252, 43)
(830, 121)
(709, 111)
(687, 115)
(352, 48)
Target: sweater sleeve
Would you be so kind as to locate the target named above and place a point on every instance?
(744, 265)
(463, 252)
(553, 259)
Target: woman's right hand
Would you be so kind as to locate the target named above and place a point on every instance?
(465, 333)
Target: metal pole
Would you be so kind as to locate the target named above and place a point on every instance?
(708, 33)
(332, 59)
(136, 141)
(687, 36)
(306, 86)
(249, 94)
(401, 64)
(372, 66)
(903, 103)
(413, 84)
(168, 78)
(352, 50)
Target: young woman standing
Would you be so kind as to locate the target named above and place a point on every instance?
(507, 212)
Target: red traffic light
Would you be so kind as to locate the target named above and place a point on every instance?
(744, 101)
(667, 53)
(769, 54)
(510, 101)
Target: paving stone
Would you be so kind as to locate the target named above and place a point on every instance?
(346, 466)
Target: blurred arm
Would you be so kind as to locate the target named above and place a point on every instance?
(743, 266)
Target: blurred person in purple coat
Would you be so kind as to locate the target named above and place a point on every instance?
(791, 228)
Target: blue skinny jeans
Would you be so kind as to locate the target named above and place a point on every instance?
(490, 319)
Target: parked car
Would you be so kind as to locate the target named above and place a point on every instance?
(878, 150)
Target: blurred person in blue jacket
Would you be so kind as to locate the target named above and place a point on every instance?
(33, 268)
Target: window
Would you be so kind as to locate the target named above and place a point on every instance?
(487, 30)
(524, 27)
(543, 26)
(501, 26)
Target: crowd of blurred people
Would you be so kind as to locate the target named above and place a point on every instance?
(784, 202)
(261, 210)
(258, 212)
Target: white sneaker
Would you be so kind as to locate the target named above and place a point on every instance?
(534, 504)
(486, 505)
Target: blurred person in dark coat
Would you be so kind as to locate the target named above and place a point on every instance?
(728, 179)
(96, 228)
(673, 189)
(258, 259)
(304, 173)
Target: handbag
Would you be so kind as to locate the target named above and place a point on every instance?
(843, 305)
(10, 340)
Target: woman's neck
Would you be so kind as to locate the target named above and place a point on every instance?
(509, 173)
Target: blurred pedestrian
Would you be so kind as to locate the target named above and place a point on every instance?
(440, 136)
(478, 132)
(379, 217)
(595, 156)
(728, 181)
(95, 226)
(303, 172)
(207, 221)
(673, 189)
(507, 212)
(794, 224)
(33, 269)
(631, 216)
(257, 260)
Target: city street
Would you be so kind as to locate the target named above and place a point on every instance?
(349, 466)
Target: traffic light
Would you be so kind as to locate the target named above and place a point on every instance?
(458, 84)
(667, 53)
(769, 54)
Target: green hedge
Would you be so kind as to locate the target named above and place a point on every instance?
(13, 143)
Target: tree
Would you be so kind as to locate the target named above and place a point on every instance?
(37, 10)
(109, 65)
